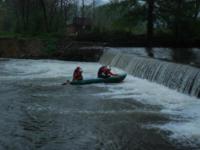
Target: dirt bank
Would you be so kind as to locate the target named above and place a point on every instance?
(50, 49)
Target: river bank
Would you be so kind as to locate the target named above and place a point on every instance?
(79, 49)
(50, 49)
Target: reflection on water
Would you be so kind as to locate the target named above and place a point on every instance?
(38, 113)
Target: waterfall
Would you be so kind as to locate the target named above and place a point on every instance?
(183, 78)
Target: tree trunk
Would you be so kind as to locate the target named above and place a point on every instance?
(52, 13)
(177, 21)
(150, 20)
(22, 4)
(65, 12)
(61, 9)
(83, 8)
(45, 15)
(93, 9)
(197, 9)
(27, 13)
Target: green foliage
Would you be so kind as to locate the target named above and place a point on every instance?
(50, 45)
(9, 35)
(174, 18)
(47, 19)
(180, 16)
(126, 16)
(35, 16)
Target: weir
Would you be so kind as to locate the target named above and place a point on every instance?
(183, 78)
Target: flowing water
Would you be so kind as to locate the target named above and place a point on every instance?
(37, 112)
(189, 56)
(183, 78)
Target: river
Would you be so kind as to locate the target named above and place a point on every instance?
(37, 112)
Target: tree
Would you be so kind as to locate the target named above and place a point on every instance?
(150, 19)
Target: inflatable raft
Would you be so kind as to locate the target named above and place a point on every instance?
(113, 79)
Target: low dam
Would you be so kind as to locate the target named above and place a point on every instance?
(183, 78)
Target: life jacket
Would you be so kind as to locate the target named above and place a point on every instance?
(103, 72)
(77, 75)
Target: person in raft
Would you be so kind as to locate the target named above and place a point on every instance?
(77, 75)
(105, 72)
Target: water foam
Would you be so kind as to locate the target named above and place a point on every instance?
(29, 69)
(183, 78)
(183, 109)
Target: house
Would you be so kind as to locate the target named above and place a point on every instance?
(79, 24)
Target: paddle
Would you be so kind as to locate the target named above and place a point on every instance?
(65, 83)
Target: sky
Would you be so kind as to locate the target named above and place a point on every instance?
(100, 2)
(97, 2)
(103, 1)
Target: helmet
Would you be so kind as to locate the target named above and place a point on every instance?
(79, 68)
(109, 67)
